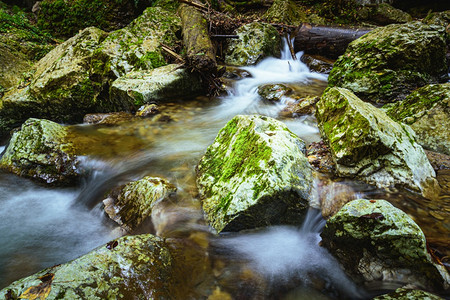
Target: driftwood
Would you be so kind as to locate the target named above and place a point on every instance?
(327, 41)
(200, 53)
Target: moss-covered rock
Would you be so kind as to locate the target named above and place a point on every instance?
(427, 111)
(40, 150)
(256, 41)
(377, 242)
(13, 65)
(274, 92)
(387, 63)
(126, 268)
(165, 83)
(132, 203)
(137, 46)
(66, 18)
(254, 174)
(304, 106)
(384, 14)
(368, 145)
(441, 18)
(288, 12)
(408, 294)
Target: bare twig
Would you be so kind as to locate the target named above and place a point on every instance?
(172, 53)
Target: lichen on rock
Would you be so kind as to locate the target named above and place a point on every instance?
(377, 242)
(389, 62)
(256, 41)
(427, 111)
(122, 269)
(41, 150)
(366, 144)
(132, 203)
(254, 174)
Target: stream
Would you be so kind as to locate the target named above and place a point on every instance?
(43, 226)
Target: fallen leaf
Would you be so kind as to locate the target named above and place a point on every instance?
(111, 245)
(40, 291)
(375, 216)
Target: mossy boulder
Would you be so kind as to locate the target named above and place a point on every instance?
(254, 174)
(384, 14)
(13, 65)
(137, 46)
(125, 268)
(377, 242)
(158, 85)
(66, 18)
(256, 41)
(40, 150)
(274, 92)
(132, 203)
(408, 294)
(427, 111)
(288, 12)
(366, 144)
(387, 63)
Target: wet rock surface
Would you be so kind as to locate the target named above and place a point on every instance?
(387, 63)
(254, 174)
(366, 144)
(132, 203)
(40, 150)
(256, 41)
(376, 241)
(121, 269)
(427, 111)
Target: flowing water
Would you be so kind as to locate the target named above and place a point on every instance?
(41, 227)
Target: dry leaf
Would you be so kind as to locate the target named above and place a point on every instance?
(40, 291)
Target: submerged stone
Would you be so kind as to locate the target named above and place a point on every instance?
(40, 150)
(125, 268)
(132, 203)
(366, 144)
(165, 83)
(377, 242)
(387, 63)
(256, 41)
(427, 111)
(254, 174)
(408, 294)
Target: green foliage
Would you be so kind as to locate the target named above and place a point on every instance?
(339, 11)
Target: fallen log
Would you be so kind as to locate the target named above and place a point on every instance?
(200, 53)
(326, 41)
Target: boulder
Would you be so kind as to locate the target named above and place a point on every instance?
(288, 12)
(407, 294)
(137, 46)
(427, 111)
(122, 269)
(377, 242)
(165, 83)
(132, 203)
(387, 63)
(40, 150)
(13, 65)
(384, 14)
(366, 144)
(256, 41)
(317, 63)
(254, 174)
(304, 106)
(73, 79)
(274, 92)
(441, 18)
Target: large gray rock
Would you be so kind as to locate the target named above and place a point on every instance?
(254, 174)
(132, 203)
(427, 111)
(126, 268)
(387, 63)
(366, 144)
(72, 79)
(377, 242)
(256, 41)
(164, 83)
(41, 150)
